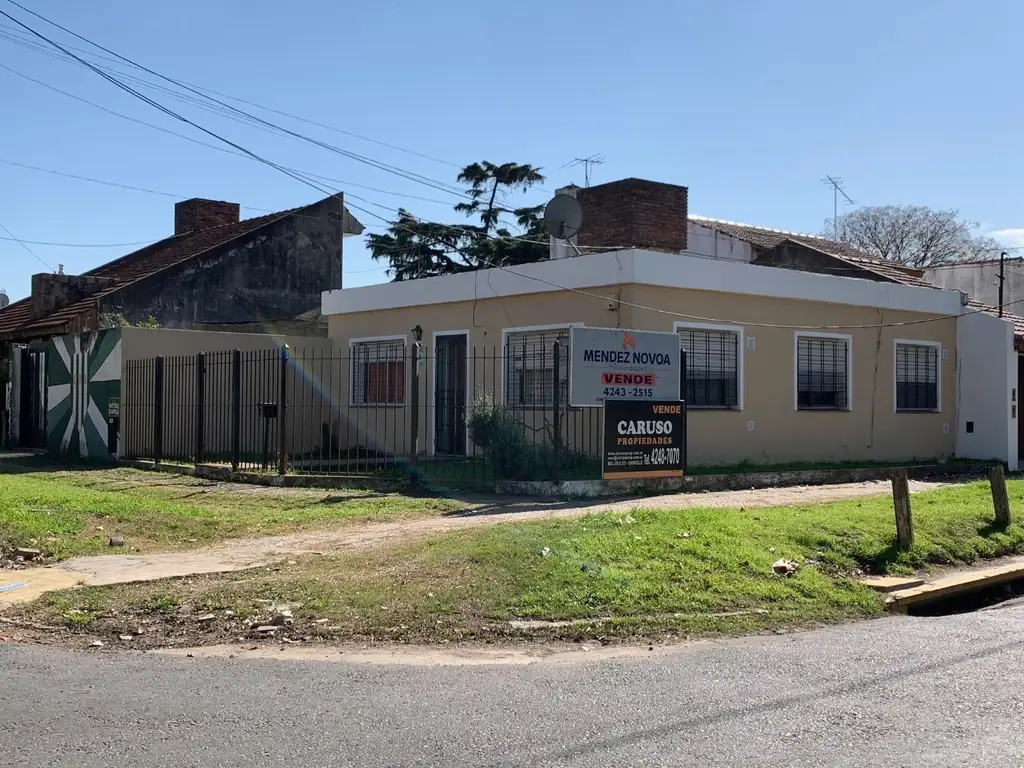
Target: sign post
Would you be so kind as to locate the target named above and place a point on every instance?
(644, 439)
(615, 364)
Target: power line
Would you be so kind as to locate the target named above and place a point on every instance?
(208, 103)
(164, 109)
(14, 37)
(146, 190)
(244, 154)
(200, 143)
(306, 181)
(297, 176)
(410, 175)
(179, 196)
(22, 244)
(81, 245)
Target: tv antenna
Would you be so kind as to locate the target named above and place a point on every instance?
(836, 182)
(587, 163)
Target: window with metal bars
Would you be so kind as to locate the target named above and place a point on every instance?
(917, 377)
(378, 372)
(530, 368)
(712, 367)
(822, 373)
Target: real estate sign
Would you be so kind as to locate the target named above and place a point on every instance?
(644, 439)
(615, 364)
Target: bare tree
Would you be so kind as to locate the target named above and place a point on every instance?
(914, 235)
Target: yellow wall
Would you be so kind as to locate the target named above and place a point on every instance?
(870, 430)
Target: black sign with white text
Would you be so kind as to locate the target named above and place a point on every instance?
(644, 439)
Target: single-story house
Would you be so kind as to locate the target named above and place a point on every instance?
(800, 349)
(216, 272)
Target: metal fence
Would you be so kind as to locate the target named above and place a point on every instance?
(384, 407)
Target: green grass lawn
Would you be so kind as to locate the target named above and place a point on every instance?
(646, 573)
(74, 511)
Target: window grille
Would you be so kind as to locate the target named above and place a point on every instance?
(378, 372)
(712, 367)
(917, 377)
(530, 368)
(822, 374)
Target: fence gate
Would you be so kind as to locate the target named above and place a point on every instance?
(32, 412)
(450, 395)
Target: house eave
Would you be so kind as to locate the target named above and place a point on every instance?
(641, 267)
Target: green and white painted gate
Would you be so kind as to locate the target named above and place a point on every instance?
(83, 392)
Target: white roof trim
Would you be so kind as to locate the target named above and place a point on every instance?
(643, 268)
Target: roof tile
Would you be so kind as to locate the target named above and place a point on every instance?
(16, 319)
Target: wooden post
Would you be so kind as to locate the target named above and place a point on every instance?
(1000, 500)
(901, 503)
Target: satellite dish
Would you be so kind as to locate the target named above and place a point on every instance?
(563, 216)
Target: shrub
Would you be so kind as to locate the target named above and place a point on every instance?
(512, 453)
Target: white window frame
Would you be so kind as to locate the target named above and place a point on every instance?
(797, 335)
(470, 394)
(506, 332)
(740, 350)
(404, 338)
(937, 345)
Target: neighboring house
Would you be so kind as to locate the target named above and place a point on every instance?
(980, 281)
(215, 271)
(799, 348)
(215, 268)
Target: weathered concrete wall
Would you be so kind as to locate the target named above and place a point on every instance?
(981, 282)
(52, 292)
(810, 260)
(278, 272)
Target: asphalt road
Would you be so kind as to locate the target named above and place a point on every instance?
(893, 692)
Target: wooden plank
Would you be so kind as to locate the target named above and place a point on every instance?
(958, 582)
(891, 583)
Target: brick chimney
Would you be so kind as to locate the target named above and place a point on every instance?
(634, 212)
(197, 213)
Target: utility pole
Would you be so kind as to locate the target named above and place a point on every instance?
(837, 189)
(1002, 279)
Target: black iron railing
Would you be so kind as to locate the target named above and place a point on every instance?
(449, 412)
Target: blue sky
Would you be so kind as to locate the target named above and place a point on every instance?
(747, 103)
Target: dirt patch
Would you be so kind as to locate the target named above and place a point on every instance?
(752, 498)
